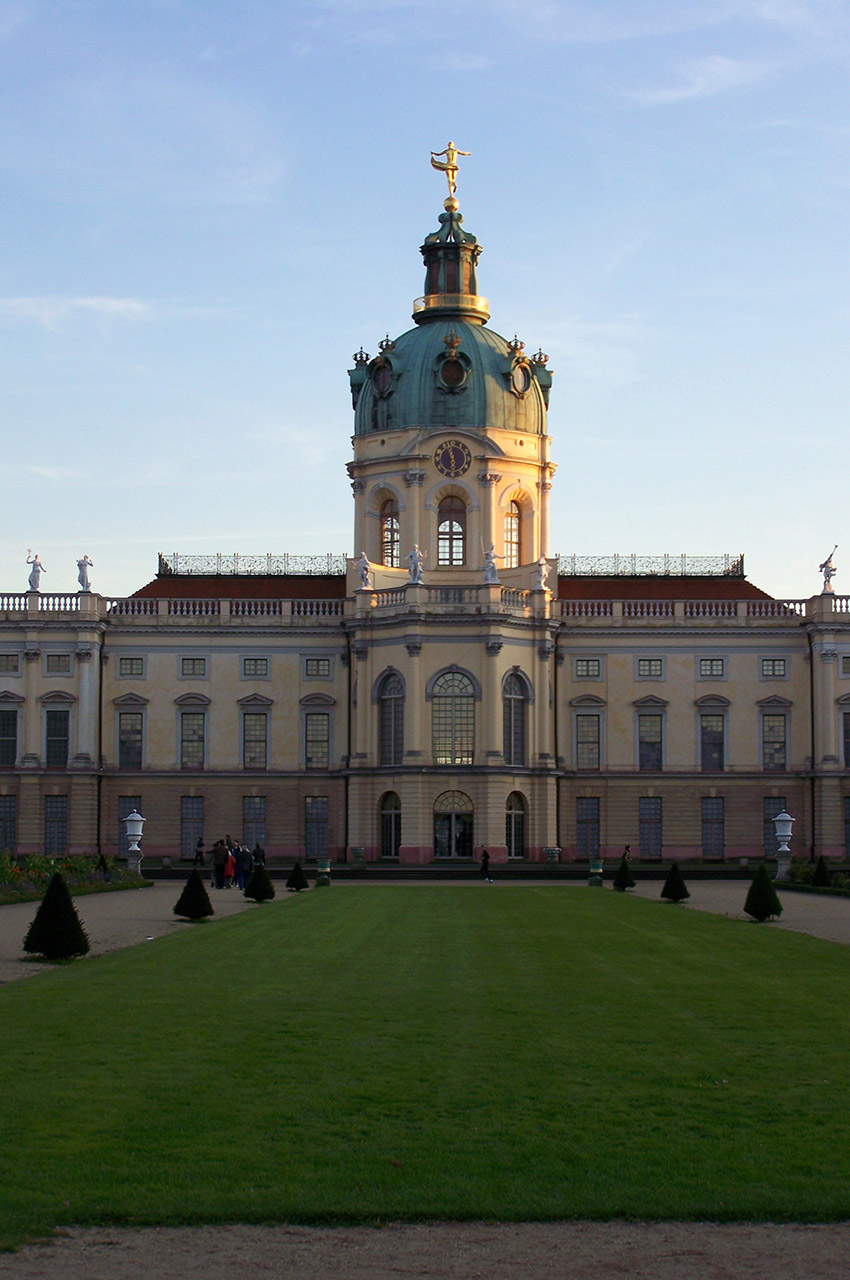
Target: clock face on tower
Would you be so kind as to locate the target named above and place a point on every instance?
(452, 458)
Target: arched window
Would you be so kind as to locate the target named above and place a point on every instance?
(391, 720)
(453, 825)
(515, 825)
(390, 534)
(451, 532)
(514, 697)
(390, 825)
(453, 718)
(512, 539)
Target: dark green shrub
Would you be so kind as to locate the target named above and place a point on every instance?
(624, 879)
(297, 879)
(56, 931)
(762, 902)
(194, 902)
(821, 878)
(259, 887)
(674, 886)
(801, 873)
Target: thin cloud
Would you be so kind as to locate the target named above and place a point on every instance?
(52, 311)
(706, 77)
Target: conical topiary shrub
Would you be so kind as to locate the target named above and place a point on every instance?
(194, 902)
(297, 879)
(259, 887)
(821, 879)
(56, 931)
(762, 902)
(675, 888)
(624, 879)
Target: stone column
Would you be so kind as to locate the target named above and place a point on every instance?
(86, 716)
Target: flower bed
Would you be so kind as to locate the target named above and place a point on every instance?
(25, 879)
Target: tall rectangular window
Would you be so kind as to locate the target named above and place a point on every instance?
(8, 739)
(57, 728)
(8, 823)
(773, 742)
(317, 737)
(130, 740)
(711, 736)
(126, 806)
(649, 816)
(192, 739)
(771, 806)
(587, 741)
(191, 824)
(649, 743)
(847, 826)
(254, 820)
(55, 825)
(587, 826)
(713, 836)
(255, 740)
(315, 827)
(846, 719)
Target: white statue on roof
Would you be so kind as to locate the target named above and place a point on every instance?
(83, 567)
(37, 570)
(829, 571)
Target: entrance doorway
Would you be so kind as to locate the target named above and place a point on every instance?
(453, 825)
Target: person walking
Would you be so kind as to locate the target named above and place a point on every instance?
(199, 853)
(485, 867)
(219, 861)
(258, 857)
(243, 866)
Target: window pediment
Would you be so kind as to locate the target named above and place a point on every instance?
(318, 700)
(57, 698)
(774, 702)
(587, 700)
(6, 697)
(844, 700)
(192, 700)
(130, 700)
(650, 703)
(255, 700)
(712, 700)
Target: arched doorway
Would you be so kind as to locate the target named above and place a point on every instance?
(453, 825)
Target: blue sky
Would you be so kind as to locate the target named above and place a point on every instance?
(207, 207)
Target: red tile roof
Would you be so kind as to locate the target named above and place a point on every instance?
(666, 587)
(245, 587)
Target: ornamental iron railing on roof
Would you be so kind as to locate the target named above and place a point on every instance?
(655, 566)
(237, 565)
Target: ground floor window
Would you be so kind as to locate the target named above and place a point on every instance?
(515, 825)
(390, 825)
(191, 824)
(254, 820)
(55, 825)
(649, 817)
(8, 823)
(713, 837)
(587, 826)
(126, 806)
(847, 826)
(453, 822)
(771, 806)
(315, 827)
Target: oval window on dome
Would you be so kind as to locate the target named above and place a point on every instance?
(381, 379)
(521, 378)
(452, 373)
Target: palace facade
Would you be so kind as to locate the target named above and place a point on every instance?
(447, 687)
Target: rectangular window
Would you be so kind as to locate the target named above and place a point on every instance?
(55, 825)
(315, 827)
(845, 666)
(57, 729)
(255, 740)
(712, 668)
(131, 666)
(587, 826)
(713, 838)
(773, 667)
(649, 818)
(587, 742)
(771, 806)
(773, 742)
(650, 668)
(254, 820)
(192, 739)
(191, 824)
(649, 743)
(257, 667)
(588, 668)
(712, 742)
(58, 664)
(126, 806)
(8, 823)
(317, 736)
(9, 664)
(847, 826)
(317, 666)
(9, 740)
(130, 740)
(846, 719)
(193, 666)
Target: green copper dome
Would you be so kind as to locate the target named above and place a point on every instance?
(451, 370)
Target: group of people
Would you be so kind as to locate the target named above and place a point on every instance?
(230, 864)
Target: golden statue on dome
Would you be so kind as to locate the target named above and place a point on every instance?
(448, 166)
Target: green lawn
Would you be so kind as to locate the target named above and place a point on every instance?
(368, 1053)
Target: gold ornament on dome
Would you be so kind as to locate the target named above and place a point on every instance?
(449, 168)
